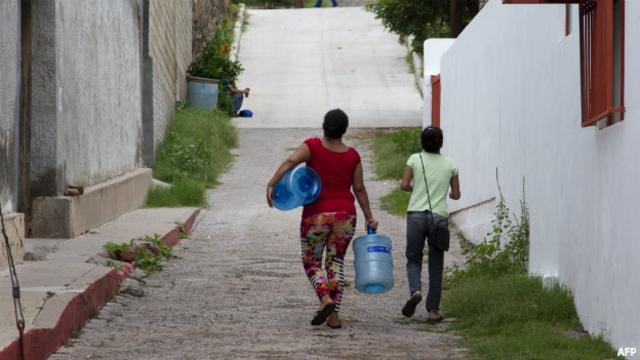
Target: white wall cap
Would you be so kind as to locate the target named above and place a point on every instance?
(433, 51)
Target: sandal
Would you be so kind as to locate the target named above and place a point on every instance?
(434, 317)
(334, 322)
(322, 314)
(410, 307)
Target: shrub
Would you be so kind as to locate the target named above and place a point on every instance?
(196, 147)
(213, 62)
(505, 250)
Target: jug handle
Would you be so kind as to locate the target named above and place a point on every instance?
(370, 230)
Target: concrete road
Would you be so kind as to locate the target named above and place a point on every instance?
(301, 63)
(238, 290)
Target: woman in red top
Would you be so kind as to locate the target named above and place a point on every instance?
(329, 223)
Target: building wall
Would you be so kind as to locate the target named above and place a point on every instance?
(511, 100)
(9, 101)
(170, 27)
(86, 114)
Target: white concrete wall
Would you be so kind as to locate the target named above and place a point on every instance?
(9, 101)
(511, 100)
(433, 51)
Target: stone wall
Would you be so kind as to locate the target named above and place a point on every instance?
(169, 47)
(86, 114)
(9, 101)
(206, 14)
(9, 127)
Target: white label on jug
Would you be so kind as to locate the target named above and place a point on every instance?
(376, 249)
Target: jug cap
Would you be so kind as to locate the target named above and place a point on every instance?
(370, 230)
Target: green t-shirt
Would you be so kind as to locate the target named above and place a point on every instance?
(439, 171)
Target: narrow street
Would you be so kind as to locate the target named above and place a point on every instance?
(237, 290)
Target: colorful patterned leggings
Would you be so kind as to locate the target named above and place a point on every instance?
(332, 231)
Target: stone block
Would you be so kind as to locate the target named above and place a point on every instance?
(70, 216)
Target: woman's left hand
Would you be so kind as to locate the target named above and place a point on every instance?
(270, 195)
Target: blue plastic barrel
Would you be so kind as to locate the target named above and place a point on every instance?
(202, 93)
(299, 186)
(373, 263)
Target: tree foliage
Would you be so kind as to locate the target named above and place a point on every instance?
(423, 19)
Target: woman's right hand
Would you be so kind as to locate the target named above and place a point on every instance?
(373, 223)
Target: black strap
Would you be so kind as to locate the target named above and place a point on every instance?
(428, 195)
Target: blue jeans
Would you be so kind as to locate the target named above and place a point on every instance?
(236, 99)
(419, 226)
(319, 3)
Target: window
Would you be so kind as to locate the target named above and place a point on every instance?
(435, 100)
(601, 58)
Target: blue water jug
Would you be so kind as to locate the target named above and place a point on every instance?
(373, 263)
(299, 186)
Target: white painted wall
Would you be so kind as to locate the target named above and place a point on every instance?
(511, 100)
(433, 51)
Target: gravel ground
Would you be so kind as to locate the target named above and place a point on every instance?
(238, 290)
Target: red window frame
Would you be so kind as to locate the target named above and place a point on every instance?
(436, 95)
(598, 62)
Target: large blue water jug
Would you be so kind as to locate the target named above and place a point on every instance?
(373, 263)
(299, 186)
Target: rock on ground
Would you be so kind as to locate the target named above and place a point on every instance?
(238, 291)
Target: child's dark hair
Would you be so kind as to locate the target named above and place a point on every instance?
(432, 139)
(335, 124)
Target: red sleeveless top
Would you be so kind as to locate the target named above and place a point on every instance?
(336, 172)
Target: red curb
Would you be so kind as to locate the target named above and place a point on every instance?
(172, 238)
(41, 343)
(188, 225)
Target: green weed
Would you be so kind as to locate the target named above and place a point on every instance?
(195, 152)
(396, 202)
(183, 193)
(392, 150)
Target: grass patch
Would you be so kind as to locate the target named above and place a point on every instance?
(396, 202)
(195, 152)
(392, 150)
(183, 193)
(502, 312)
(312, 3)
(390, 154)
(512, 316)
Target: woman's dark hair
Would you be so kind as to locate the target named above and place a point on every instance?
(335, 124)
(432, 139)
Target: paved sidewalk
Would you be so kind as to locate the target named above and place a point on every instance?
(238, 290)
(69, 282)
(302, 62)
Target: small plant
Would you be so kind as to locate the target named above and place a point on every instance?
(115, 249)
(146, 252)
(113, 264)
(505, 250)
(146, 261)
(164, 251)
